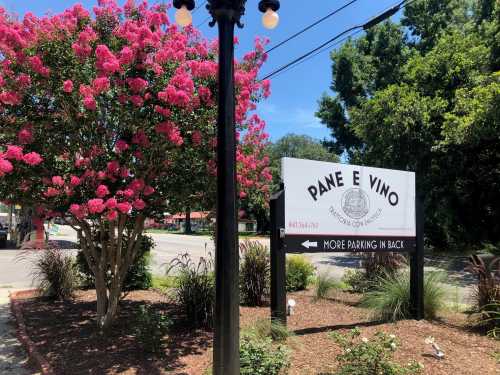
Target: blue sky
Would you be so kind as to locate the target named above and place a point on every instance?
(295, 94)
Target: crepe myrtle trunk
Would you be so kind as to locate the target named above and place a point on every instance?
(110, 248)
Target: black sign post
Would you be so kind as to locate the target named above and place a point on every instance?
(417, 266)
(278, 258)
(282, 244)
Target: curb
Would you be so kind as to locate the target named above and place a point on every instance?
(33, 353)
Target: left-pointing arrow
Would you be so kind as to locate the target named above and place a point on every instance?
(307, 244)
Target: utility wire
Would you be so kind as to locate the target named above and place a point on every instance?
(367, 25)
(326, 48)
(199, 6)
(203, 22)
(298, 33)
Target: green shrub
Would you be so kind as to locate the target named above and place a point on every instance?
(164, 283)
(138, 277)
(254, 273)
(258, 356)
(391, 299)
(357, 281)
(365, 357)
(151, 327)
(299, 271)
(56, 274)
(195, 289)
(324, 284)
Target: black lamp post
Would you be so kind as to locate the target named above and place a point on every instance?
(227, 14)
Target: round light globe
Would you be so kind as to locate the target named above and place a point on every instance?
(183, 16)
(270, 19)
(291, 303)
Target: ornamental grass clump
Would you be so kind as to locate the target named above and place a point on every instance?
(391, 299)
(56, 274)
(194, 291)
(324, 284)
(363, 356)
(254, 273)
(270, 328)
(487, 293)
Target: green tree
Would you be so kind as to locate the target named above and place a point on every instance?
(296, 146)
(427, 102)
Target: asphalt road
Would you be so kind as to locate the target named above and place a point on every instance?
(16, 266)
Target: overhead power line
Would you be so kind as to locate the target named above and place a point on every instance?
(367, 25)
(298, 33)
(199, 6)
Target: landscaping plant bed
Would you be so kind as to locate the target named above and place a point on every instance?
(65, 334)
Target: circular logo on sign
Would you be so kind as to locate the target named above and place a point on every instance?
(355, 203)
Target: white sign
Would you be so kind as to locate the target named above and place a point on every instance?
(330, 203)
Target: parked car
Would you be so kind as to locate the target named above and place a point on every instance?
(3, 236)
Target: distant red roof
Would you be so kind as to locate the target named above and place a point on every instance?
(194, 215)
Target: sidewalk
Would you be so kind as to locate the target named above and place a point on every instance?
(12, 355)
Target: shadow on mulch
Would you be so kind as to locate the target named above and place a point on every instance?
(66, 334)
(335, 327)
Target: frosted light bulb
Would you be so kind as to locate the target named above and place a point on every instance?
(270, 19)
(183, 16)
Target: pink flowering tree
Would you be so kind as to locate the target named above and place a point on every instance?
(104, 116)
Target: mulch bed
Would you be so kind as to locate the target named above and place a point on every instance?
(65, 334)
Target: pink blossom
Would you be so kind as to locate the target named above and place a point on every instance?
(139, 204)
(101, 85)
(57, 181)
(10, 98)
(137, 100)
(89, 103)
(77, 211)
(137, 85)
(242, 194)
(14, 152)
(51, 192)
(128, 193)
(140, 138)
(126, 55)
(113, 167)
(102, 191)
(25, 136)
(74, 181)
(37, 66)
(148, 190)
(124, 207)
(86, 90)
(112, 215)
(68, 86)
(33, 158)
(96, 206)
(5, 166)
(170, 131)
(196, 137)
(24, 80)
(106, 61)
(111, 203)
(137, 185)
(121, 145)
